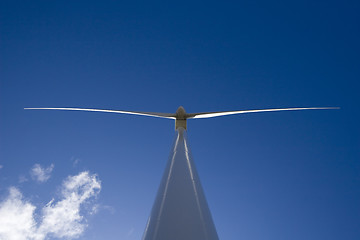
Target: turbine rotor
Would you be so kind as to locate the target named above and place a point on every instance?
(181, 116)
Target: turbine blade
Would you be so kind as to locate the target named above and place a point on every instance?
(151, 114)
(219, 114)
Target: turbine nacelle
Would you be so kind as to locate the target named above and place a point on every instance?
(180, 118)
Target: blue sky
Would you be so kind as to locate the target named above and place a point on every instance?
(283, 175)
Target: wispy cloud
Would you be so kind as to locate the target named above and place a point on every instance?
(22, 179)
(131, 231)
(41, 174)
(1, 166)
(108, 208)
(59, 219)
(100, 207)
(75, 161)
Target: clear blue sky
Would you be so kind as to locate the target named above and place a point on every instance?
(283, 175)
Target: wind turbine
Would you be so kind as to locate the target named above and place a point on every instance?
(180, 210)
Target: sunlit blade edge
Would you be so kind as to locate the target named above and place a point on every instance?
(219, 114)
(160, 115)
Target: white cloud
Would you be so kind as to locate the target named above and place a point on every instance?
(16, 217)
(60, 219)
(1, 166)
(41, 174)
(63, 218)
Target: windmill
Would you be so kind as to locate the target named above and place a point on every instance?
(180, 210)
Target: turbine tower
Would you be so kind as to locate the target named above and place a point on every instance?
(180, 210)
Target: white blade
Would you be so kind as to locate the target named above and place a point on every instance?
(151, 114)
(218, 114)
